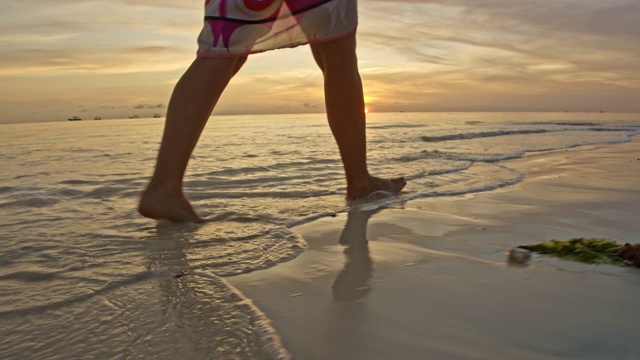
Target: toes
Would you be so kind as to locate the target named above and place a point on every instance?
(398, 184)
(394, 185)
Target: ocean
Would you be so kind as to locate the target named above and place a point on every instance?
(82, 275)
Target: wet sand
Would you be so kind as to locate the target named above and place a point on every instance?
(429, 279)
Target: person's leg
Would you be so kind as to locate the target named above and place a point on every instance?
(192, 101)
(344, 100)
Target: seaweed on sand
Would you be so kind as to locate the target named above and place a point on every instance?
(591, 251)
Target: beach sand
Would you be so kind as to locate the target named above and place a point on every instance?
(432, 282)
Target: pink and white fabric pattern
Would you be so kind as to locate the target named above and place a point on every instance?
(240, 27)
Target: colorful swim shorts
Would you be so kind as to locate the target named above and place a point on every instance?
(240, 27)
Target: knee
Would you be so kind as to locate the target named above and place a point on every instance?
(317, 56)
(340, 67)
(337, 55)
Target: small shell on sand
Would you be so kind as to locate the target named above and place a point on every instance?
(518, 255)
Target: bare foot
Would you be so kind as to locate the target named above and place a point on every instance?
(161, 205)
(376, 184)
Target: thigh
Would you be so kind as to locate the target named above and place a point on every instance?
(325, 20)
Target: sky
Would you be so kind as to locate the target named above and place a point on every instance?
(116, 58)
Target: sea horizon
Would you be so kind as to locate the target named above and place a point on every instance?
(370, 113)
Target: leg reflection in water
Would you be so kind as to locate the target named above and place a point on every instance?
(352, 283)
(186, 311)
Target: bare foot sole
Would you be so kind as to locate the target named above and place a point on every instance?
(376, 184)
(162, 206)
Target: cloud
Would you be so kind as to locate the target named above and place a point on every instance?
(34, 38)
(72, 60)
(149, 106)
(527, 47)
(99, 37)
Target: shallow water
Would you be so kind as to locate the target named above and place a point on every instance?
(82, 275)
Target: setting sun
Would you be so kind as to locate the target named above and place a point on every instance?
(367, 103)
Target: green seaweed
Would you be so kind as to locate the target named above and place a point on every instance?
(590, 251)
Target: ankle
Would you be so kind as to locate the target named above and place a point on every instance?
(164, 186)
(358, 186)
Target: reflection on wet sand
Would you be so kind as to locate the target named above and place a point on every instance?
(203, 316)
(352, 283)
(207, 314)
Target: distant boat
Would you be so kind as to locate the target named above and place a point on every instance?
(74, 118)
(97, 118)
(157, 116)
(134, 117)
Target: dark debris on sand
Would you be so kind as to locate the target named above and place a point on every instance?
(630, 254)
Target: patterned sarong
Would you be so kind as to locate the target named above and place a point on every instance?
(241, 27)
